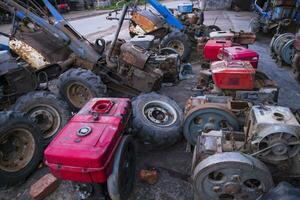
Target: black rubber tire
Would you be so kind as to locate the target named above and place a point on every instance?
(182, 38)
(10, 120)
(28, 102)
(149, 132)
(84, 77)
(214, 28)
(119, 189)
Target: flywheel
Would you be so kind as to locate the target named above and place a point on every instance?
(231, 175)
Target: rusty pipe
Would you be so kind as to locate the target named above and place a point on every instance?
(113, 43)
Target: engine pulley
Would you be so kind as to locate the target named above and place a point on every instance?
(231, 175)
(205, 118)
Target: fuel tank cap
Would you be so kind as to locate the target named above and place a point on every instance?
(84, 131)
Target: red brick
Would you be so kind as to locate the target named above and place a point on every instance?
(149, 176)
(44, 187)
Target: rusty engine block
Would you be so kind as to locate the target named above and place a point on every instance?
(233, 161)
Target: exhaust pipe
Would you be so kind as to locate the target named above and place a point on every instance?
(121, 20)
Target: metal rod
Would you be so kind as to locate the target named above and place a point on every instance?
(113, 43)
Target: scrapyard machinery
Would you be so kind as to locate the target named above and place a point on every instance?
(243, 165)
(177, 29)
(274, 14)
(45, 49)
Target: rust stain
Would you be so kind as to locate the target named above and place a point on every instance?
(27, 53)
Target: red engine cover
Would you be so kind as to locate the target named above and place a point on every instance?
(212, 48)
(84, 149)
(235, 75)
(239, 53)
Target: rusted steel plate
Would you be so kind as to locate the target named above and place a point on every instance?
(134, 55)
(244, 38)
(147, 20)
(27, 53)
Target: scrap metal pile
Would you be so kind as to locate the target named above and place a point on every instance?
(244, 143)
(285, 50)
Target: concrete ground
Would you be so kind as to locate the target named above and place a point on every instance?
(174, 163)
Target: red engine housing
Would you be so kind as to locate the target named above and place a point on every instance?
(84, 149)
(239, 53)
(234, 75)
(212, 48)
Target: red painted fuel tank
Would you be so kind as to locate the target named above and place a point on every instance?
(84, 149)
(233, 75)
(239, 53)
(212, 48)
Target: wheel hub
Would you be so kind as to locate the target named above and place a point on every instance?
(43, 118)
(47, 118)
(177, 45)
(232, 188)
(78, 94)
(157, 115)
(160, 113)
(17, 149)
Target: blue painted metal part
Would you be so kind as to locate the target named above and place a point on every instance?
(260, 11)
(185, 8)
(4, 47)
(61, 30)
(288, 51)
(166, 13)
(57, 16)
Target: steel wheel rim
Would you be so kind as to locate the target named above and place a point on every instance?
(281, 40)
(78, 94)
(160, 113)
(288, 52)
(47, 118)
(278, 38)
(18, 147)
(177, 45)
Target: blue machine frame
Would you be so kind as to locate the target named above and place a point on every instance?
(166, 13)
(276, 14)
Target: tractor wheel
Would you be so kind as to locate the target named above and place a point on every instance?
(180, 42)
(157, 119)
(213, 28)
(21, 148)
(47, 110)
(120, 182)
(78, 86)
